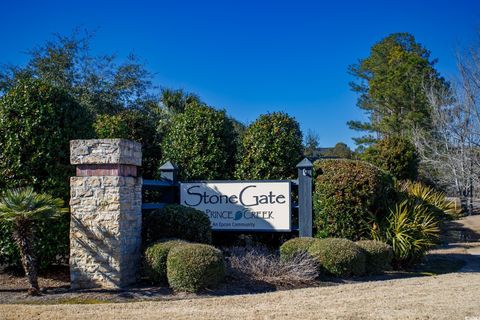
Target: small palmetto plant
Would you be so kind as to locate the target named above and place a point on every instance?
(410, 228)
(23, 207)
(436, 199)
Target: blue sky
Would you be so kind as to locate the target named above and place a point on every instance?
(250, 57)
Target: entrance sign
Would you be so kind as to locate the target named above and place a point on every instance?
(242, 205)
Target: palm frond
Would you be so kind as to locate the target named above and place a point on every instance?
(25, 203)
(410, 228)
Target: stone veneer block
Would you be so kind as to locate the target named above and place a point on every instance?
(105, 151)
(106, 222)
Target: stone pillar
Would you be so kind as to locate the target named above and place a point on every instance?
(106, 213)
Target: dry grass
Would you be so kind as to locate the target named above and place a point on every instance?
(260, 265)
(451, 296)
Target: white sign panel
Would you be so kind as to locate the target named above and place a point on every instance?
(243, 205)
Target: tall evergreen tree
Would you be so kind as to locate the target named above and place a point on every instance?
(390, 84)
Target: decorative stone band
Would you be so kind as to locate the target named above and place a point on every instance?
(122, 170)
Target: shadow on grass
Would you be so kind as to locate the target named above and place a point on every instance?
(454, 231)
(438, 263)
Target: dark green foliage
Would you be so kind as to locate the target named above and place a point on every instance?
(176, 221)
(378, 255)
(192, 267)
(347, 193)
(271, 148)
(156, 260)
(201, 142)
(37, 122)
(51, 243)
(137, 125)
(396, 155)
(339, 257)
(295, 246)
(390, 84)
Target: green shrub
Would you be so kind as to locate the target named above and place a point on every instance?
(156, 260)
(37, 122)
(201, 142)
(176, 221)
(137, 125)
(192, 267)
(378, 256)
(347, 194)
(51, 244)
(339, 257)
(294, 247)
(394, 154)
(271, 148)
(411, 229)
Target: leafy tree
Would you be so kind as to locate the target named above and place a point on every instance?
(272, 147)
(311, 145)
(390, 85)
(97, 82)
(23, 207)
(396, 155)
(37, 122)
(201, 141)
(341, 150)
(137, 125)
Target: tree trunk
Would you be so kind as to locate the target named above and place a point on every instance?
(23, 237)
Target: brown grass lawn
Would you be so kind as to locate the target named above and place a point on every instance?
(449, 296)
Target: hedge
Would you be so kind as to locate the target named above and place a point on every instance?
(156, 260)
(192, 267)
(176, 221)
(378, 256)
(294, 247)
(348, 194)
(339, 257)
(51, 244)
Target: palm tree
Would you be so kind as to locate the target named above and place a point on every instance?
(22, 207)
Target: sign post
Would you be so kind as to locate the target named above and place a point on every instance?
(305, 173)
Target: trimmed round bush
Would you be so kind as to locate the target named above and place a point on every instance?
(156, 260)
(271, 148)
(178, 222)
(194, 266)
(294, 247)
(348, 194)
(202, 142)
(339, 257)
(378, 255)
